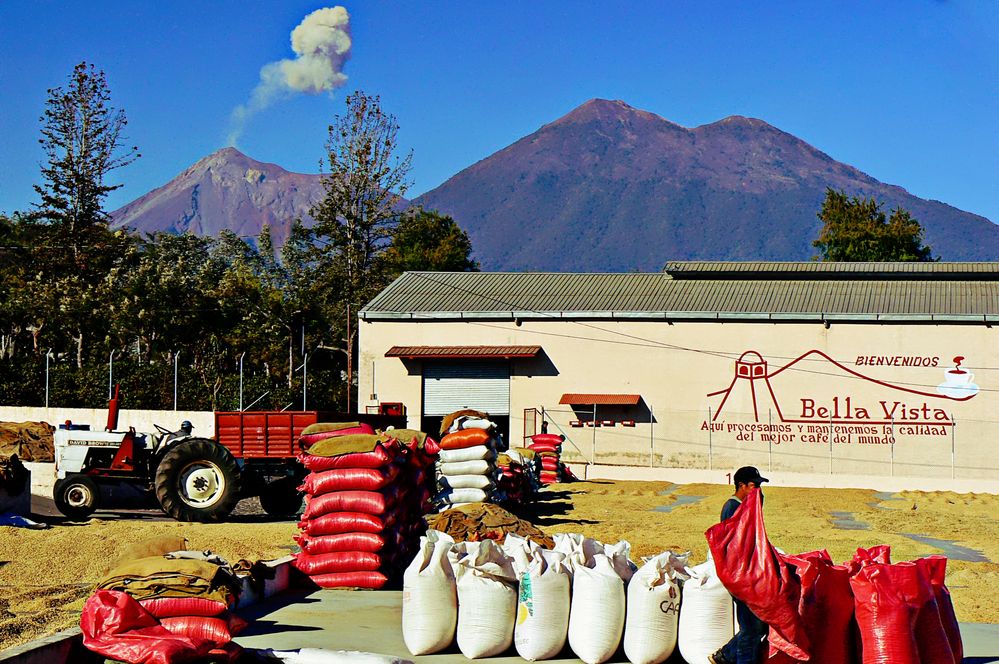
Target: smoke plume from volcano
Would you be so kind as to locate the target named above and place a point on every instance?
(321, 43)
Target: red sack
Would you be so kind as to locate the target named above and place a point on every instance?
(373, 580)
(344, 561)
(346, 522)
(826, 610)
(549, 477)
(546, 448)
(312, 438)
(550, 438)
(348, 479)
(549, 463)
(369, 502)
(752, 571)
(935, 568)
(459, 440)
(116, 626)
(377, 458)
(931, 639)
(317, 545)
(217, 630)
(884, 615)
(422, 457)
(169, 607)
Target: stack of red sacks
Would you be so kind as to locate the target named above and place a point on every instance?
(365, 498)
(516, 482)
(164, 608)
(903, 611)
(548, 447)
(116, 626)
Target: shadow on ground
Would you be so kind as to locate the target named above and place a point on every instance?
(548, 509)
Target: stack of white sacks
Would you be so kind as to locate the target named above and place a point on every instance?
(488, 596)
(466, 466)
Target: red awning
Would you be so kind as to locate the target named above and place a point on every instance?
(600, 399)
(463, 352)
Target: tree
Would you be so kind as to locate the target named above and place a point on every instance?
(82, 139)
(856, 229)
(355, 220)
(427, 240)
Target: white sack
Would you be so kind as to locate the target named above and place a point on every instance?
(705, 623)
(430, 597)
(620, 557)
(473, 453)
(324, 656)
(446, 482)
(653, 612)
(476, 467)
(457, 496)
(596, 615)
(542, 606)
(516, 457)
(487, 601)
(519, 549)
(468, 422)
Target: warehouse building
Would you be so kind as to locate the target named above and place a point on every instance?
(859, 368)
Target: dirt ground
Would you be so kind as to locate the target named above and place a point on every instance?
(45, 575)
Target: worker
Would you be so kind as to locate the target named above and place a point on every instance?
(747, 645)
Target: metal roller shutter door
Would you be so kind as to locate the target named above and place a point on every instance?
(451, 386)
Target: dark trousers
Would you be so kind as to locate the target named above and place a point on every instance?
(747, 645)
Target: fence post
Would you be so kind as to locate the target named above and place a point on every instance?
(241, 381)
(710, 460)
(652, 439)
(830, 442)
(305, 378)
(47, 356)
(953, 448)
(593, 444)
(891, 462)
(176, 358)
(770, 441)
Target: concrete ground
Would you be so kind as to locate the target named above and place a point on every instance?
(370, 621)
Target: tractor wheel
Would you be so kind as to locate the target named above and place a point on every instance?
(198, 480)
(76, 497)
(281, 497)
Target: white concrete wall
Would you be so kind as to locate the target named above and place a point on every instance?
(683, 370)
(787, 479)
(97, 418)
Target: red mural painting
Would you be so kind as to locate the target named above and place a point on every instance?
(957, 386)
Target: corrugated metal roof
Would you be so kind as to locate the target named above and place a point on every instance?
(461, 295)
(572, 399)
(463, 352)
(815, 269)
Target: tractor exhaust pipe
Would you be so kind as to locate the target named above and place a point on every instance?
(113, 411)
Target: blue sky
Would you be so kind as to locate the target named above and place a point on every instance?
(906, 91)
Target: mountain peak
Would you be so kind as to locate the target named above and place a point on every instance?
(226, 155)
(742, 122)
(610, 111)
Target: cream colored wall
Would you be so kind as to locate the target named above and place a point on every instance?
(676, 367)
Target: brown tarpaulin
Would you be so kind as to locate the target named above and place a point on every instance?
(479, 521)
(30, 441)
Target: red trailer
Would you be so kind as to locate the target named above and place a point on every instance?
(192, 478)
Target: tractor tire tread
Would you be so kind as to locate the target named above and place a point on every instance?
(168, 491)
